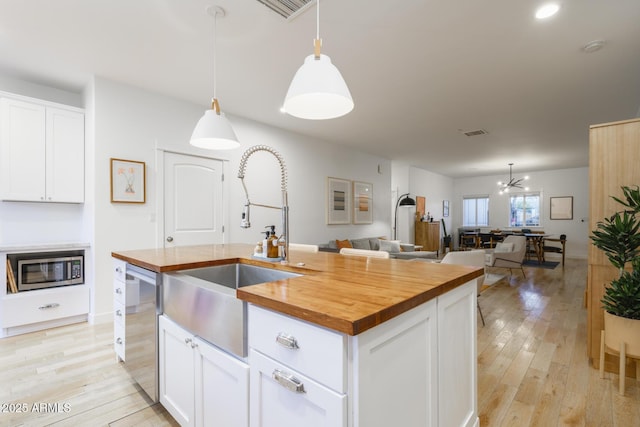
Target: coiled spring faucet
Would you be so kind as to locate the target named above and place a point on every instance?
(283, 241)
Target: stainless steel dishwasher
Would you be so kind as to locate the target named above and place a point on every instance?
(141, 327)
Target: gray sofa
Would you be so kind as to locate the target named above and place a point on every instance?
(399, 251)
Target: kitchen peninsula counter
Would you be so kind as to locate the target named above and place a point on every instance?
(343, 293)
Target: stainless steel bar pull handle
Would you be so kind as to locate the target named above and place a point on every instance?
(46, 306)
(287, 341)
(288, 381)
(119, 313)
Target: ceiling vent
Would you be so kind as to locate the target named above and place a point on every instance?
(475, 132)
(288, 9)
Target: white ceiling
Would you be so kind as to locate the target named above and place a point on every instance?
(420, 71)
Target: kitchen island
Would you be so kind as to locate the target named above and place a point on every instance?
(352, 341)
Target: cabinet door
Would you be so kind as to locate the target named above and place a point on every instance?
(22, 154)
(396, 381)
(276, 405)
(177, 367)
(65, 156)
(222, 388)
(457, 357)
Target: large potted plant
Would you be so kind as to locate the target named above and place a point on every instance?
(619, 237)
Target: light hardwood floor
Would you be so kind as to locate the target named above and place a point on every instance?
(532, 362)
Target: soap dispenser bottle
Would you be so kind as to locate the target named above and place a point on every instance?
(265, 245)
(272, 243)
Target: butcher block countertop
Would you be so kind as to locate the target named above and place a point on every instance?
(344, 293)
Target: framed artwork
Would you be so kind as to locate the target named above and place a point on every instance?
(445, 208)
(561, 207)
(338, 201)
(362, 203)
(128, 181)
(421, 204)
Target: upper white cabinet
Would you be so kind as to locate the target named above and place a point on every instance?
(41, 152)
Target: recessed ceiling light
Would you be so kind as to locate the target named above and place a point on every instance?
(547, 10)
(593, 46)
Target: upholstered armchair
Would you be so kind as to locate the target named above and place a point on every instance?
(508, 254)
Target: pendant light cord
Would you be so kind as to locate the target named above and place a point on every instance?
(215, 40)
(318, 19)
(317, 43)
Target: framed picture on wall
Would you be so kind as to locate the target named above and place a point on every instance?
(445, 208)
(338, 201)
(421, 204)
(128, 181)
(362, 203)
(561, 207)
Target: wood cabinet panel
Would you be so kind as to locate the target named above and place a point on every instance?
(427, 235)
(614, 153)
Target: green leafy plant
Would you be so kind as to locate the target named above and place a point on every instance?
(622, 296)
(619, 237)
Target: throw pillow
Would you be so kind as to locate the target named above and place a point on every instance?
(360, 244)
(343, 244)
(375, 244)
(391, 246)
(504, 247)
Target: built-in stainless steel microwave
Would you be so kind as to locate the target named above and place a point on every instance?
(48, 269)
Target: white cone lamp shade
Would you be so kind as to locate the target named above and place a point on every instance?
(214, 132)
(318, 91)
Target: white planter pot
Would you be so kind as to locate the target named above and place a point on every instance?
(622, 330)
(622, 336)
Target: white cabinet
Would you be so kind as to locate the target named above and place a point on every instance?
(200, 384)
(41, 152)
(396, 371)
(457, 357)
(298, 372)
(39, 309)
(281, 396)
(417, 369)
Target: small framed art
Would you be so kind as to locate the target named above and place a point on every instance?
(128, 181)
(362, 203)
(561, 207)
(445, 208)
(338, 201)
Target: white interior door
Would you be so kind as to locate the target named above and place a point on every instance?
(193, 200)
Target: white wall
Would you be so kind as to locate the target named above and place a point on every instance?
(564, 182)
(131, 124)
(435, 189)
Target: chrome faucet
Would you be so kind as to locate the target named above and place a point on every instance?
(283, 241)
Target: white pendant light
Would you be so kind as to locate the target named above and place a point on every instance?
(318, 91)
(213, 131)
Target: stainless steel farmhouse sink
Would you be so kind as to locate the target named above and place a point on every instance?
(203, 301)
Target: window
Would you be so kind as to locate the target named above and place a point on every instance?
(475, 211)
(525, 210)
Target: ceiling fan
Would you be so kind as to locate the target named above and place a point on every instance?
(512, 183)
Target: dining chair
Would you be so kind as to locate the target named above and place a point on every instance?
(555, 248)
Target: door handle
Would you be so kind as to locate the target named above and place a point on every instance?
(169, 239)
